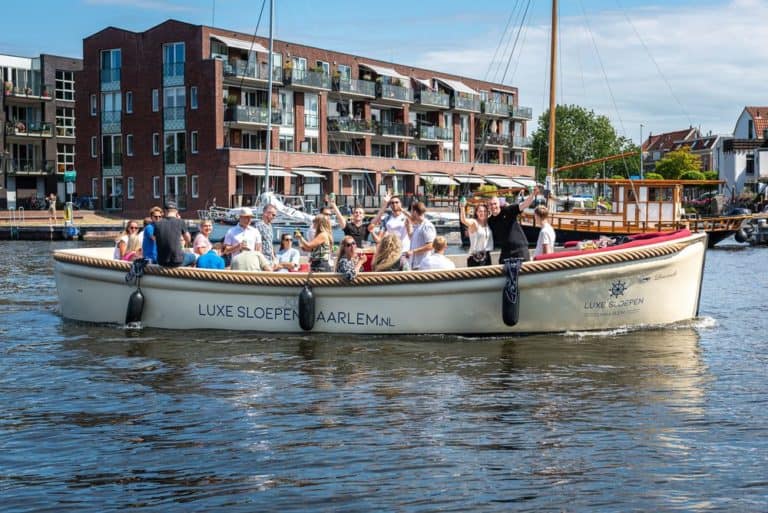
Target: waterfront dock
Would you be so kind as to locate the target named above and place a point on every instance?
(36, 225)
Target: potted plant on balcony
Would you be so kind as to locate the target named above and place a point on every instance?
(8, 87)
(288, 70)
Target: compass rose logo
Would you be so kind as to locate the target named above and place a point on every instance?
(618, 288)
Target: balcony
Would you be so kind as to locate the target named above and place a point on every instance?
(522, 142)
(434, 133)
(393, 92)
(240, 69)
(338, 124)
(467, 103)
(110, 79)
(495, 139)
(173, 74)
(110, 121)
(27, 89)
(112, 164)
(173, 118)
(36, 167)
(521, 112)
(355, 87)
(307, 79)
(32, 129)
(396, 130)
(495, 109)
(433, 99)
(253, 115)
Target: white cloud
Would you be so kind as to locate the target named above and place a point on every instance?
(710, 60)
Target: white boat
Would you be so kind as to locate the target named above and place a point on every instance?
(643, 283)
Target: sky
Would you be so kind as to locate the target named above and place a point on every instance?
(650, 66)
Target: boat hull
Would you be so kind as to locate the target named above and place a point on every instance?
(651, 285)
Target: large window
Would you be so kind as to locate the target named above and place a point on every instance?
(111, 107)
(175, 147)
(173, 60)
(174, 101)
(111, 151)
(309, 145)
(194, 141)
(65, 85)
(310, 110)
(286, 142)
(251, 141)
(65, 157)
(65, 122)
(111, 62)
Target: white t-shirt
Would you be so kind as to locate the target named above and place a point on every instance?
(435, 261)
(423, 233)
(396, 225)
(481, 239)
(116, 252)
(237, 234)
(546, 236)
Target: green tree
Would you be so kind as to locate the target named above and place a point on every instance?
(653, 176)
(711, 175)
(678, 162)
(581, 135)
(692, 175)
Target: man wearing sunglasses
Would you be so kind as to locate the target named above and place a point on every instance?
(396, 221)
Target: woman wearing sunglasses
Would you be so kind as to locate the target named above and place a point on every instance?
(121, 244)
(348, 261)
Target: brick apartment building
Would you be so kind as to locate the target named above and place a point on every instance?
(37, 123)
(180, 112)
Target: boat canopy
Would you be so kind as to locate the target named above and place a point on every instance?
(251, 46)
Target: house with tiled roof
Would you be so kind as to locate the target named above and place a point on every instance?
(657, 146)
(743, 156)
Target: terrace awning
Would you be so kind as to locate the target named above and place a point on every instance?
(383, 70)
(258, 170)
(309, 173)
(504, 182)
(469, 179)
(459, 87)
(440, 179)
(241, 44)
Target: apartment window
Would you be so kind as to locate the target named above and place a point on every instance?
(65, 85)
(323, 67)
(285, 102)
(193, 97)
(175, 147)
(129, 102)
(251, 141)
(194, 186)
(111, 151)
(93, 147)
(129, 145)
(155, 144)
(176, 189)
(155, 187)
(309, 145)
(65, 157)
(448, 154)
(174, 102)
(194, 141)
(383, 150)
(464, 156)
(131, 187)
(111, 107)
(173, 60)
(94, 105)
(65, 122)
(310, 110)
(286, 143)
(345, 72)
(95, 187)
(155, 100)
(111, 62)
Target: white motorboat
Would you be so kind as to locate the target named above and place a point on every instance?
(646, 282)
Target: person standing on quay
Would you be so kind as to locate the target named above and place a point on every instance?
(507, 233)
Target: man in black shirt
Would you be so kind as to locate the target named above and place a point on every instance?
(169, 233)
(355, 227)
(507, 233)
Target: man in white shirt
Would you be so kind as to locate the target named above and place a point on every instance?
(243, 236)
(546, 242)
(437, 259)
(396, 221)
(422, 236)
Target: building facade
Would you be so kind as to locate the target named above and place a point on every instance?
(37, 117)
(744, 156)
(180, 112)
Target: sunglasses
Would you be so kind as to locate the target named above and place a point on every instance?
(156, 217)
(133, 227)
(350, 244)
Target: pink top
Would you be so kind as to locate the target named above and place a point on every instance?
(202, 242)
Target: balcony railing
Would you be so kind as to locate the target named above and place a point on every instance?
(311, 121)
(243, 69)
(173, 118)
(175, 156)
(31, 167)
(24, 88)
(355, 86)
(112, 160)
(109, 117)
(396, 129)
(495, 139)
(245, 114)
(433, 99)
(434, 133)
(173, 69)
(339, 124)
(32, 129)
(521, 112)
(471, 103)
(393, 92)
(522, 142)
(110, 76)
(495, 109)
(307, 78)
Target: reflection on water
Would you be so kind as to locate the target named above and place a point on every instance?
(101, 419)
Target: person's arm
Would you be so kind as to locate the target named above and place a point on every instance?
(426, 248)
(312, 244)
(529, 199)
(471, 224)
(264, 263)
(339, 217)
(380, 214)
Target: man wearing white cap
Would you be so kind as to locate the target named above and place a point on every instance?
(243, 236)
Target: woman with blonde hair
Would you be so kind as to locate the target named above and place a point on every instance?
(389, 254)
(320, 246)
(121, 244)
(133, 248)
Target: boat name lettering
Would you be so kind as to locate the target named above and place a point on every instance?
(661, 276)
(603, 304)
(286, 313)
(354, 318)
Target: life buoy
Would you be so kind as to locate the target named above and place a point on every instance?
(306, 308)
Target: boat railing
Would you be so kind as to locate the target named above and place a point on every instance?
(616, 224)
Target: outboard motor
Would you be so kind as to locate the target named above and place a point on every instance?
(510, 298)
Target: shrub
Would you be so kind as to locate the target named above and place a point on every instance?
(711, 175)
(692, 175)
(653, 176)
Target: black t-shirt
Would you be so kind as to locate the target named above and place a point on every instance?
(507, 233)
(168, 233)
(359, 233)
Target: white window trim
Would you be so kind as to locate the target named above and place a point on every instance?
(155, 100)
(95, 187)
(193, 100)
(94, 147)
(156, 187)
(130, 185)
(194, 141)
(129, 145)
(155, 143)
(194, 186)
(93, 105)
(129, 102)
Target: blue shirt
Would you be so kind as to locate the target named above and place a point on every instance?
(210, 260)
(148, 245)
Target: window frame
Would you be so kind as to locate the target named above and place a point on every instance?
(129, 145)
(194, 186)
(156, 187)
(193, 100)
(94, 147)
(194, 141)
(155, 100)
(155, 143)
(129, 102)
(130, 187)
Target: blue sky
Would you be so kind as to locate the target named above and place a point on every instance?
(663, 64)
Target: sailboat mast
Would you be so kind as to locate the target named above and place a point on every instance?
(550, 184)
(270, 71)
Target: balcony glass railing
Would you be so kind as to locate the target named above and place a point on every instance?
(31, 166)
(495, 139)
(393, 92)
(245, 114)
(396, 129)
(26, 88)
(173, 113)
(434, 133)
(495, 109)
(173, 69)
(471, 103)
(242, 69)
(311, 120)
(355, 86)
(32, 129)
(109, 117)
(109, 75)
(433, 99)
(307, 78)
(339, 124)
(522, 142)
(521, 112)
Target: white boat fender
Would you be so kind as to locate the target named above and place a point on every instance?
(136, 300)
(510, 297)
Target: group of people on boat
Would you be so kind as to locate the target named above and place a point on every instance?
(400, 240)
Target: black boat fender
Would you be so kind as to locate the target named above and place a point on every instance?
(510, 297)
(741, 235)
(306, 308)
(136, 300)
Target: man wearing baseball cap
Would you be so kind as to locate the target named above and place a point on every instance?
(243, 236)
(169, 232)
